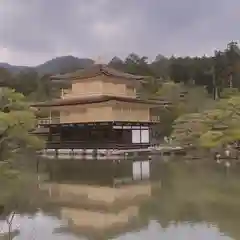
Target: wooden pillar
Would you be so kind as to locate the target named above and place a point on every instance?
(141, 170)
(60, 135)
(50, 134)
(50, 116)
(141, 138)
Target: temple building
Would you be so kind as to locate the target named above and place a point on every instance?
(100, 110)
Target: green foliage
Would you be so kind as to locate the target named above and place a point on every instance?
(184, 99)
(19, 190)
(17, 120)
(31, 84)
(180, 70)
(137, 65)
(149, 88)
(229, 92)
(210, 128)
(221, 71)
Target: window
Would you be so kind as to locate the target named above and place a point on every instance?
(130, 90)
(117, 108)
(126, 109)
(140, 136)
(145, 136)
(136, 136)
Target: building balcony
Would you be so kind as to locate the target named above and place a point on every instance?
(56, 120)
(155, 119)
(49, 120)
(88, 144)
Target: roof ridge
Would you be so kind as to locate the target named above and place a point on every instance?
(94, 70)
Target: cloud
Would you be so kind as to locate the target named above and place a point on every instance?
(33, 31)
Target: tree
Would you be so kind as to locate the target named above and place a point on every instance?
(5, 77)
(26, 82)
(210, 128)
(46, 89)
(135, 64)
(17, 120)
(232, 64)
(184, 99)
(117, 63)
(160, 66)
(149, 87)
(181, 70)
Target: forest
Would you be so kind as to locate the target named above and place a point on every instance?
(214, 73)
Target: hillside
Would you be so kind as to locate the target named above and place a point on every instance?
(56, 65)
(13, 69)
(63, 64)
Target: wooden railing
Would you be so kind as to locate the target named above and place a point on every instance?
(43, 121)
(155, 118)
(65, 93)
(92, 145)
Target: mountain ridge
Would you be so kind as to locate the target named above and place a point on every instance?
(66, 64)
(56, 65)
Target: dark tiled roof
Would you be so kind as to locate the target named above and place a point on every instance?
(94, 71)
(96, 99)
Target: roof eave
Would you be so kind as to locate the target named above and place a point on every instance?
(65, 79)
(61, 102)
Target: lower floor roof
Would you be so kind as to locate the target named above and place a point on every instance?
(97, 99)
(106, 123)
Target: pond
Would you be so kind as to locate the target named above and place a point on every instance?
(183, 200)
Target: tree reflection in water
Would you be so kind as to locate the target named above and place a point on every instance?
(196, 193)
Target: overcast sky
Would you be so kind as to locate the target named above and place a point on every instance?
(33, 31)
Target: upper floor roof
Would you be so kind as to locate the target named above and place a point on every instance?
(96, 70)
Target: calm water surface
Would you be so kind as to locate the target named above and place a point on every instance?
(195, 201)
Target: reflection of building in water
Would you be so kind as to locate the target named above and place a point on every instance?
(98, 210)
(98, 172)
